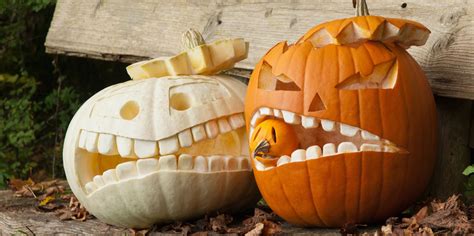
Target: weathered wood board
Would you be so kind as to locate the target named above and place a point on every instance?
(128, 30)
(453, 148)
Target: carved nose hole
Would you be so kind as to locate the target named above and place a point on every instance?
(317, 104)
(129, 110)
(180, 101)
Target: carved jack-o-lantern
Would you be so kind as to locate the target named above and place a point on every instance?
(161, 149)
(363, 114)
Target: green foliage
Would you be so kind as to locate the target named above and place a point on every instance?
(35, 107)
(21, 25)
(38, 99)
(469, 171)
(17, 127)
(27, 130)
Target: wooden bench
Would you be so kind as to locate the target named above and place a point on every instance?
(128, 31)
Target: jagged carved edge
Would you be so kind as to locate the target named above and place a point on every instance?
(204, 59)
(403, 32)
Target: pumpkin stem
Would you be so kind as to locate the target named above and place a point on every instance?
(191, 39)
(361, 8)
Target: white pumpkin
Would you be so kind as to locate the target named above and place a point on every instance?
(161, 149)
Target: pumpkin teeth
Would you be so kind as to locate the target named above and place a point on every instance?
(184, 163)
(359, 140)
(148, 157)
(109, 144)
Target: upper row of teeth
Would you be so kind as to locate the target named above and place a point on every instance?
(185, 162)
(329, 149)
(311, 122)
(109, 144)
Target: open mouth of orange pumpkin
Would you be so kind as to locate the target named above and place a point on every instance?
(308, 138)
(212, 147)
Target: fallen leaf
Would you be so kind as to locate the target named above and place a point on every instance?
(46, 200)
(17, 184)
(271, 228)
(74, 211)
(450, 216)
(387, 229)
(256, 231)
(219, 223)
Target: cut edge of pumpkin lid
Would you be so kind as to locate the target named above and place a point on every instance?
(197, 58)
(356, 30)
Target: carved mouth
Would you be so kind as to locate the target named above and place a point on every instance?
(214, 146)
(319, 138)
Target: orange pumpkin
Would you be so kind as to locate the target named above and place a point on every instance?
(272, 138)
(364, 116)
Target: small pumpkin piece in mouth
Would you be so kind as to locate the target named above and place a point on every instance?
(272, 139)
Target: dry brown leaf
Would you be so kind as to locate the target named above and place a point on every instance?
(256, 231)
(74, 211)
(271, 228)
(29, 188)
(139, 232)
(17, 184)
(387, 229)
(449, 216)
(219, 223)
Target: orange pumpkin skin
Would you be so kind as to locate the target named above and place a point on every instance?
(281, 137)
(359, 187)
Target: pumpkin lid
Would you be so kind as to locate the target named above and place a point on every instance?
(364, 27)
(197, 58)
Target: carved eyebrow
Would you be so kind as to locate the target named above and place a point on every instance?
(383, 76)
(268, 81)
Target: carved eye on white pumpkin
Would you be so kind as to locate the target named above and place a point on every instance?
(268, 81)
(129, 110)
(183, 97)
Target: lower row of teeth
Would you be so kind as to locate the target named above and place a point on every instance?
(185, 162)
(328, 150)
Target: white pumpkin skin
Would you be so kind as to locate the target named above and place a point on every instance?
(165, 194)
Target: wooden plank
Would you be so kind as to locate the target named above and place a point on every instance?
(133, 30)
(18, 216)
(471, 135)
(453, 149)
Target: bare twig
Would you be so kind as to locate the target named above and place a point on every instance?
(57, 71)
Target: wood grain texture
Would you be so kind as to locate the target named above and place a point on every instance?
(18, 216)
(453, 150)
(129, 31)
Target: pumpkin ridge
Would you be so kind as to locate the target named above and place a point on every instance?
(130, 212)
(408, 136)
(345, 185)
(312, 200)
(290, 203)
(377, 213)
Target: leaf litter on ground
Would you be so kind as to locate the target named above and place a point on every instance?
(450, 216)
(52, 195)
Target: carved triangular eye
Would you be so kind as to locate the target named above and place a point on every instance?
(316, 104)
(384, 76)
(268, 81)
